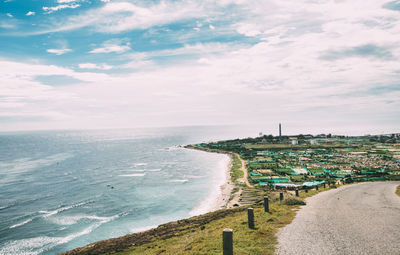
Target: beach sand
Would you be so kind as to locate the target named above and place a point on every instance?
(227, 199)
(226, 190)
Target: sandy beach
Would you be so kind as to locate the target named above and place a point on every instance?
(219, 197)
(223, 200)
(226, 198)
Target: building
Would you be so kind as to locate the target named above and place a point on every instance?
(294, 141)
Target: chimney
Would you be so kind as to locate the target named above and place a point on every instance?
(280, 130)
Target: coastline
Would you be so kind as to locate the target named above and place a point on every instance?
(225, 189)
(228, 196)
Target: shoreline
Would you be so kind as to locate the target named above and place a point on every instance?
(228, 197)
(225, 190)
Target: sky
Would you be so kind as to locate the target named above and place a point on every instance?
(314, 65)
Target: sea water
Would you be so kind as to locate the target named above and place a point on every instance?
(64, 189)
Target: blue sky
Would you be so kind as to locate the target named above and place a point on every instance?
(316, 65)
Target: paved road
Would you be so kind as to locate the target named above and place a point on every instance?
(354, 219)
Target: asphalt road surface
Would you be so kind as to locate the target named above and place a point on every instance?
(353, 219)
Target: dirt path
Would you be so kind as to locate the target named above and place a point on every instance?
(244, 169)
(353, 219)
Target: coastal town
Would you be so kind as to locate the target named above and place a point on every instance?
(270, 178)
(308, 161)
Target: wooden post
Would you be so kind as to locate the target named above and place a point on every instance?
(250, 217)
(316, 187)
(227, 241)
(266, 204)
(297, 192)
(281, 197)
(324, 185)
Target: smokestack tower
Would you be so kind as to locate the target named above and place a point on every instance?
(280, 130)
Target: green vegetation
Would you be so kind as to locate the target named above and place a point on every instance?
(293, 201)
(203, 234)
(207, 239)
(236, 171)
(272, 163)
(290, 146)
(298, 178)
(279, 162)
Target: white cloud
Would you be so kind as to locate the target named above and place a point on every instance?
(9, 15)
(25, 97)
(66, 1)
(58, 51)
(111, 48)
(95, 66)
(281, 75)
(114, 45)
(115, 17)
(60, 7)
(198, 49)
(30, 13)
(27, 71)
(248, 29)
(8, 24)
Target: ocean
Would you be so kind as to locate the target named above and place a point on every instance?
(64, 189)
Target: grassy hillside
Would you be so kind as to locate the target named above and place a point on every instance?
(203, 234)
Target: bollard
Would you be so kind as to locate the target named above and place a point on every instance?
(306, 190)
(266, 204)
(297, 192)
(316, 187)
(227, 242)
(250, 217)
(281, 197)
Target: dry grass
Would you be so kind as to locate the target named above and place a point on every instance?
(207, 239)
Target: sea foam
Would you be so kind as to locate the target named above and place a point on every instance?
(142, 229)
(140, 164)
(219, 179)
(132, 175)
(61, 209)
(179, 181)
(21, 223)
(73, 219)
(37, 245)
(154, 170)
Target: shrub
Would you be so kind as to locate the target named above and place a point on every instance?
(293, 201)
